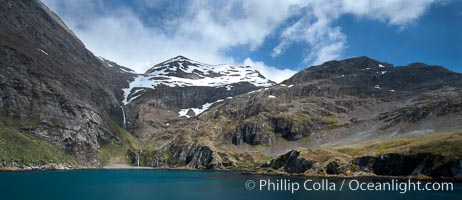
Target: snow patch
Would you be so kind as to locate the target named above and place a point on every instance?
(377, 87)
(271, 96)
(380, 65)
(197, 111)
(125, 70)
(140, 82)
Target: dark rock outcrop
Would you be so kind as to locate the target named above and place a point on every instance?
(392, 164)
(337, 166)
(413, 164)
(251, 133)
(191, 155)
(290, 162)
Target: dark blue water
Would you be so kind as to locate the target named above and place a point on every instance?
(172, 185)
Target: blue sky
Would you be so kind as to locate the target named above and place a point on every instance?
(276, 37)
(435, 38)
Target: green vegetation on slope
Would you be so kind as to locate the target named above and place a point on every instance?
(24, 149)
(117, 151)
(113, 153)
(444, 144)
(126, 138)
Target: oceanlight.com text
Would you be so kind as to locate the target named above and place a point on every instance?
(401, 186)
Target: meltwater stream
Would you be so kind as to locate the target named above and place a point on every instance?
(124, 122)
(124, 125)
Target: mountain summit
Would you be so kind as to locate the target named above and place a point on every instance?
(205, 75)
(183, 72)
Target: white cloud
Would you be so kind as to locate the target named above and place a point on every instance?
(395, 12)
(273, 73)
(316, 26)
(204, 30)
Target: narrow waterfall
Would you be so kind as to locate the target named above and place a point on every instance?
(138, 158)
(124, 122)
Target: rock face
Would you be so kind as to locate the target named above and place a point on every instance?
(405, 165)
(191, 155)
(392, 164)
(51, 86)
(291, 163)
(250, 133)
(300, 161)
(180, 88)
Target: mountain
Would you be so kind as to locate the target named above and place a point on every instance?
(356, 115)
(371, 77)
(59, 103)
(63, 107)
(180, 88)
(183, 72)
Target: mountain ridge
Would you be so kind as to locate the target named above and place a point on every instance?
(63, 107)
(52, 88)
(321, 108)
(183, 72)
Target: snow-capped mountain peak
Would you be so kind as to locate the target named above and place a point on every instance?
(183, 72)
(178, 63)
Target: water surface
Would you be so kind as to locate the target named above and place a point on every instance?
(137, 184)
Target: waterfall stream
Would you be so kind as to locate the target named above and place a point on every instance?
(138, 158)
(124, 122)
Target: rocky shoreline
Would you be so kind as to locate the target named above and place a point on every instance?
(33, 167)
(57, 167)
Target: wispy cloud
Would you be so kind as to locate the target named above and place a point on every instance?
(315, 26)
(204, 30)
(273, 73)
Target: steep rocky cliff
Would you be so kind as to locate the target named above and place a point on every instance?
(52, 88)
(334, 104)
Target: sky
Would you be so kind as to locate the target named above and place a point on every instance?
(277, 37)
